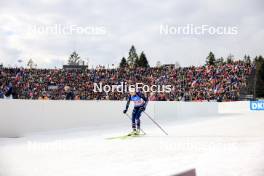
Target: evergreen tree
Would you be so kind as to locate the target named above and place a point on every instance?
(74, 59)
(247, 59)
(219, 61)
(137, 63)
(259, 61)
(261, 71)
(230, 59)
(30, 63)
(123, 63)
(143, 61)
(132, 56)
(210, 59)
(259, 64)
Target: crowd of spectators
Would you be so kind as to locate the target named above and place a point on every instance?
(204, 83)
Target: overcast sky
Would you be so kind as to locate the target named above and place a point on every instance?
(122, 23)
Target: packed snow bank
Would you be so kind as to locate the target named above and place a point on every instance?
(21, 117)
(227, 146)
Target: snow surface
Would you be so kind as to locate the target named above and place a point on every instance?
(228, 145)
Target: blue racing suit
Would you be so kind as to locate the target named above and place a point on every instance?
(140, 103)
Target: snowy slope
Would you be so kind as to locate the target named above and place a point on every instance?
(224, 145)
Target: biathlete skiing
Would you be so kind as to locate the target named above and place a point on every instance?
(140, 104)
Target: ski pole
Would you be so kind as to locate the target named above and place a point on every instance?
(140, 128)
(155, 123)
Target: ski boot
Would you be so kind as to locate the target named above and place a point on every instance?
(133, 133)
(138, 131)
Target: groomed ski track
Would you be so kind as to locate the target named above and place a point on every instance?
(230, 143)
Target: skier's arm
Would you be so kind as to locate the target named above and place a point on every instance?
(145, 100)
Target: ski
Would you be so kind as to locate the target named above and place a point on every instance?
(126, 136)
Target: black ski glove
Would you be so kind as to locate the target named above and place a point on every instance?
(142, 108)
(125, 111)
